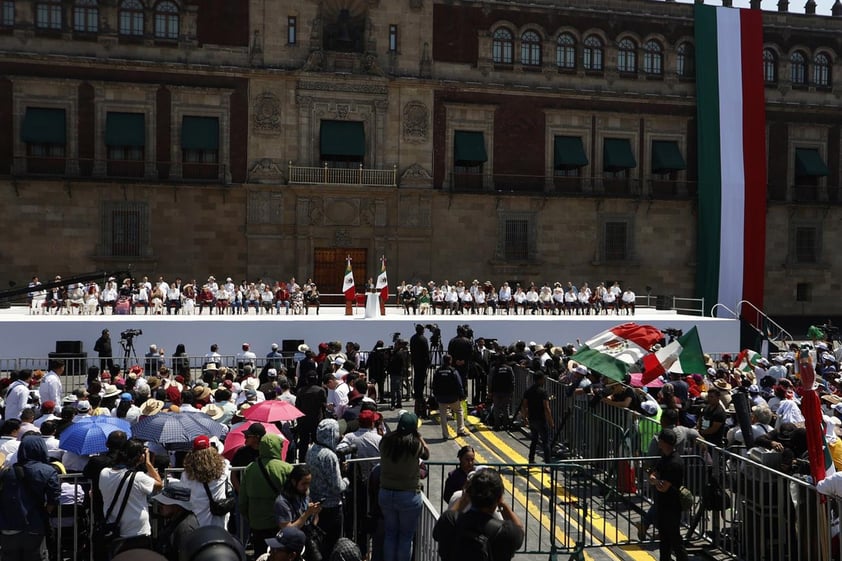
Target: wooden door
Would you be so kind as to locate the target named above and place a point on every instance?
(329, 270)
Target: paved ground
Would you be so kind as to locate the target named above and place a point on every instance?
(557, 506)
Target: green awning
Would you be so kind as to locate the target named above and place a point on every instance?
(44, 126)
(617, 154)
(809, 163)
(469, 148)
(569, 152)
(125, 129)
(344, 139)
(666, 157)
(199, 133)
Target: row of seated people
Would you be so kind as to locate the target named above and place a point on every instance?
(533, 301)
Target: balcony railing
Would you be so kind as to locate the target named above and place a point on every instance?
(564, 185)
(124, 170)
(325, 175)
(805, 194)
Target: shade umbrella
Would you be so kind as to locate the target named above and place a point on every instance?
(177, 428)
(637, 381)
(89, 435)
(236, 439)
(272, 411)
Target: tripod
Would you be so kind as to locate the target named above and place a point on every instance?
(128, 352)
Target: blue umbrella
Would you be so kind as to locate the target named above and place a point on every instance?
(90, 434)
(177, 428)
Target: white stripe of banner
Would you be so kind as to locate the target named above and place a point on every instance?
(611, 344)
(729, 45)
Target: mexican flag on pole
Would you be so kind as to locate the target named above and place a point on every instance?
(732, 155)
(747, 360)
(682, 355)
(382, 281)
(348, 286)
(612, 353)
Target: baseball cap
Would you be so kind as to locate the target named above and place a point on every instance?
(48, 405)
(408, 422)
(201, 442)
(255, 429)
(339, 361)
(83, 406)
(289, 539)
(126, 396)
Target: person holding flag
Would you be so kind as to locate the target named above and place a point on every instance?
(348, 287)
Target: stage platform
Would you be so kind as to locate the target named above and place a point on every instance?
(34, 336)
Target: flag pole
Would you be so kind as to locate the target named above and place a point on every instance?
(349, 311)
(379, 297)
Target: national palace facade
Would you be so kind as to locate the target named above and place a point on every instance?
(519, 141)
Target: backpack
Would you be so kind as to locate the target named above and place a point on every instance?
(475, 543)
(503, 380)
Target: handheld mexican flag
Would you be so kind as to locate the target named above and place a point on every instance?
(731, 154)
(612, 353)
(747, 360)
(682, 355)
(348, 286)
(382, 281)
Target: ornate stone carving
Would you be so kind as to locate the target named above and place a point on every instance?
(415, 211)
(371, 66)
(265, 207)
(415, 122)
(331, 87)
(267, 113)
(315, 211)
(415, 172)
(315, 61)
(342, 110)
(367, 213)
(342, 238)
(267, 170)
(303, 100)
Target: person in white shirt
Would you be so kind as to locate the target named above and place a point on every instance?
(585, 300)
(47, 413)
(135, 529)
(17, 395)
(628, 300)
(532, 298)
(337, 395)
(108, 296)
(213, 356)
(519, 298)
(609, 302)
(126, 409)
(50, 388)
(504, 297)
(246, 357)
(570, 302)
(173, 299)
(452, 300)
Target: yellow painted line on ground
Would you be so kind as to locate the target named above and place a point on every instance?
(610, 531)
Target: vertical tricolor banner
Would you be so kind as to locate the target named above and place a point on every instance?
(383, 281)
(348, 286)
(731, 155)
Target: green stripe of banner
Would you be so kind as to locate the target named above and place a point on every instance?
(709, 158)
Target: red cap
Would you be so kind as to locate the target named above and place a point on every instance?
(201, 442)
(179, 379)
(48, 405)
(367, 417)
(136, 369)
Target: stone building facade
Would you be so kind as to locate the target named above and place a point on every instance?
(459, 139)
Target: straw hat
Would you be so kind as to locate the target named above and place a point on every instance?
(215, 412)
(722, 385)
(152, 407)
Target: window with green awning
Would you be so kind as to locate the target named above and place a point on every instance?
(666, 157)
(343, 140)
(44, 126)
(809, 163)
(617, 155)
(569, 153)
(125, 129)
(469, 148)
(199, 133)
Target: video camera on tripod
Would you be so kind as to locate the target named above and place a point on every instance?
(129, 334)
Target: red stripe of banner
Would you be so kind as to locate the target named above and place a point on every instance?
(754, 156)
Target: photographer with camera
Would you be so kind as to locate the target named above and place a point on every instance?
(328, 484)
(397, 369)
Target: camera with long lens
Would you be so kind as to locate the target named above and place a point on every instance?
(130, 334)
(435, 334)
(345, 452)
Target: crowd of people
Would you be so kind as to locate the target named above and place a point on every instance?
(338, 461)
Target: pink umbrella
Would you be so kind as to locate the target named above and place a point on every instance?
(271, 411)
(236, 439)
(637, 381)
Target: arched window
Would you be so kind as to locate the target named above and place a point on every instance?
(565, 52)
(627, 56)
(821, 70)
(530, 49)
(502, 46)
(48, 15)
(131, 18)
(770, 66)
(7, 13)
(653, 58)
(86, 16)
(166, 20)
(798, 68)
(592, 52)
(685, 63)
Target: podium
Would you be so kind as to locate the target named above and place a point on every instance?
(372, 304)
